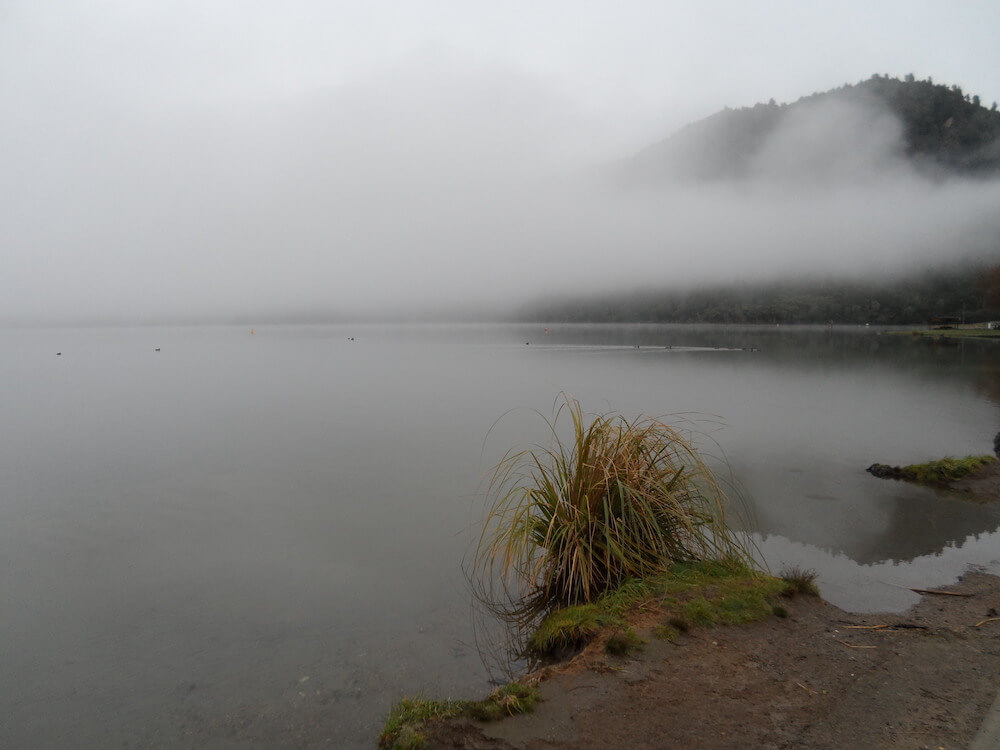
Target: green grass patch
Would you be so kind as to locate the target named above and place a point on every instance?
(405, 728)
(630, 594)
(570, 628)
(666, 632)
(946, 470)
(703, 594)
(508, 700)
(623, 642)
(700, 611)
(721, 593)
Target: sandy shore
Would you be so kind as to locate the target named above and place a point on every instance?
(925, 678)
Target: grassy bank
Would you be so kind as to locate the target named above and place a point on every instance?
(408, 721)
(685, 596)
(680, 599)
(935, 473)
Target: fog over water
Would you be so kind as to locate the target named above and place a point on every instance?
(251, 532)
(238, 161)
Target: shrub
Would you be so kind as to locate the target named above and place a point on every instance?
(799, 581)
(619, 500)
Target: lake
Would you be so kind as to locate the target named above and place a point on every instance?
(257, 540)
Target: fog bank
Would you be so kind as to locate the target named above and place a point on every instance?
(435, 182)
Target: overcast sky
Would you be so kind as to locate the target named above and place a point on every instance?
(240, 158)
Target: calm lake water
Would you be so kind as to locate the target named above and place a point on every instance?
(257, 541)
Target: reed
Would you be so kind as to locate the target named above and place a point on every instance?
(618, 499)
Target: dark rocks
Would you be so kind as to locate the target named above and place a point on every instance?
(884, 471)
(996, 444)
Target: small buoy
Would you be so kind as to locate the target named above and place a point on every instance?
(527, 343)
(156, 349)
(251, 333)
(58, 354)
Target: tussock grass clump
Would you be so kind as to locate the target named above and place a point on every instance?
(946, 470)
(799, 581)
(618, 500)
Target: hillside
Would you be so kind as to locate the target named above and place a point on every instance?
(936, 129)
(969, 295)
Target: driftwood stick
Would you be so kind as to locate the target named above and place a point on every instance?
(808, 690)
(867, 627)
(988, 619)
(940, 593)
(887, 628)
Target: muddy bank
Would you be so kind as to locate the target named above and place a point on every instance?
(810, 681)
(983, 487)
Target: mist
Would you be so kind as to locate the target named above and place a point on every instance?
(433, 182)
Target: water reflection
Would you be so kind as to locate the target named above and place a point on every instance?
(883, 585)
(865, 518)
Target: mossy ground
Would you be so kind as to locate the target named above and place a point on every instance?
(686, 595)
(404, 728)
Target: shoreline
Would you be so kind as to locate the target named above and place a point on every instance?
(813, 676)
(820, 678)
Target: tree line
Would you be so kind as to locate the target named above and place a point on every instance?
(970, 295)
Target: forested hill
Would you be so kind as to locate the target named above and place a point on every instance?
(972, 294)
(937, 129)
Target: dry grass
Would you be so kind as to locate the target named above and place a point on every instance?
(618, 500)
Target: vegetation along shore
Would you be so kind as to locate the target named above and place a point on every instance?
(645, 622)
